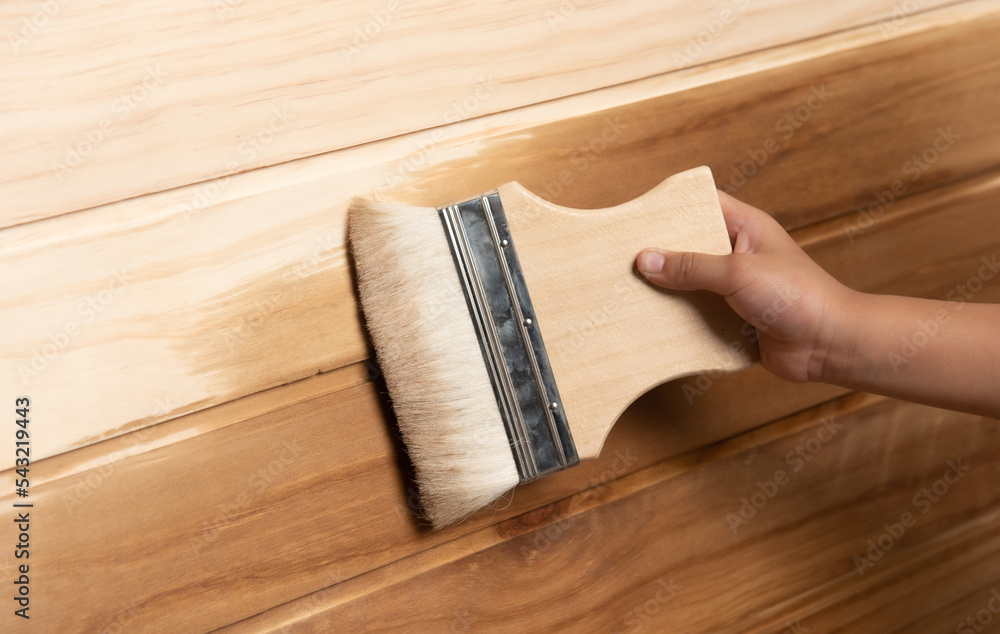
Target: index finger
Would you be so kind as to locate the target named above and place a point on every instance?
(742, 218)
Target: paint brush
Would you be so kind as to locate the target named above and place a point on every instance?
(513, 332)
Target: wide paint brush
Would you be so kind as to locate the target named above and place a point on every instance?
(513, 332)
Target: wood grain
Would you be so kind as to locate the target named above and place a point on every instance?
(196, 296)
(274, 492)
(186, 93)
(203, 514)
(656, 547)
(590, 304)
(950, 579)
(202, 509)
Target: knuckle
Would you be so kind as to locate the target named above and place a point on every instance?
(686, 267)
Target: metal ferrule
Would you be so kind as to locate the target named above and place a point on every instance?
(509, 336)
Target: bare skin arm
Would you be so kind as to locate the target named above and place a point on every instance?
(810, 327)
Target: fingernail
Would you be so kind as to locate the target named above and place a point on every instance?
(652, 262)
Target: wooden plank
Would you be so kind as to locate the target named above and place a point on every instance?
(187, 92)
(195, 308)
(656, 548)
(949, 579)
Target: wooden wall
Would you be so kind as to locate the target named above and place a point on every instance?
(212, 444)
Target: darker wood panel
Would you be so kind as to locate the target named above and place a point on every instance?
(857, 121)
(910, 248)
(667, 556)
(936, 593)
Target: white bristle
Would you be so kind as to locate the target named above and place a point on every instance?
(419, 322)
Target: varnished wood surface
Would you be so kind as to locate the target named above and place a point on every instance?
(203, 505)
(200, 307)
(109, 100)
(658, 547)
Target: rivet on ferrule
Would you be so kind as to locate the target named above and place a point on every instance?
(509, 340)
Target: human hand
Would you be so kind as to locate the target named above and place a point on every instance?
(794, 304)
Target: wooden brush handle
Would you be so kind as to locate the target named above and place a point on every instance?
(609, 334)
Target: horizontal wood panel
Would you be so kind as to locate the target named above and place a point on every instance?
(952, 578)
(186, 92)
(177, 309)
(657, 547)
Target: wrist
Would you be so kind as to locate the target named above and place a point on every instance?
(838, 353)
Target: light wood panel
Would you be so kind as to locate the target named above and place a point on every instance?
(187, 92)
(656, 548)
(176, 310)
(205, 503)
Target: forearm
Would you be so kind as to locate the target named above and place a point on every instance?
(945, 354)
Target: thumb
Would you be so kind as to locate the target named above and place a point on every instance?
(685, 271)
